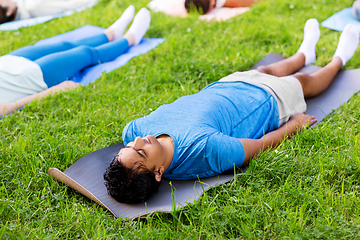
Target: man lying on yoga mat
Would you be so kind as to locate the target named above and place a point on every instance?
(224, 125)
(205, 6)
(39, 70)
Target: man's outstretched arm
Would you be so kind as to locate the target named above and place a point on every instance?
(272, 139)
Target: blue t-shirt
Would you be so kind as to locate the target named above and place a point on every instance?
(205, 127)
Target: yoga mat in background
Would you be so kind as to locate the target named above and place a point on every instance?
(15, 25)
(340, 19)
(89, 74)
(86, 174)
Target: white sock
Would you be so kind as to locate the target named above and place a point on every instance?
(121, 24)
(140, 25)
(348, 43)
(311, 37)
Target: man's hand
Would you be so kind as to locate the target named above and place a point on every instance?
(301, 121)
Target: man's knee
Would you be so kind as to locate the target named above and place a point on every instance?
(264, 69)
(302, 77)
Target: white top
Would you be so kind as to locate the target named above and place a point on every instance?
(220, 3)
(19, 77)
(35, 8)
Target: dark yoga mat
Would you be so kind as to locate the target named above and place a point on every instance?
(86, 174)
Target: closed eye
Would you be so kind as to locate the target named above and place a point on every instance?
(141, 152)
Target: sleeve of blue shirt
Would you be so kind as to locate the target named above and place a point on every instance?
(128, 134)
(224, 152)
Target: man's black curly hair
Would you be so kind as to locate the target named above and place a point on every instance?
(130, 185)
(3, 17)
(202, 6)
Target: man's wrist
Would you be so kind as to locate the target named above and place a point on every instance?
(291, 127)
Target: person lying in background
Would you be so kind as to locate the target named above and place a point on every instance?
(11, 10)
(356, 10)
(204, 6)
(226, 124)
(36, 71)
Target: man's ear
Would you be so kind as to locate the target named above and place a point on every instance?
(158, 173)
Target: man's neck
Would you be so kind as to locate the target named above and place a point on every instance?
(168, 144)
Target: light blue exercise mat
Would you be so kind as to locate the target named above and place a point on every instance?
(90, 74)
(340, 19)
(15, 25)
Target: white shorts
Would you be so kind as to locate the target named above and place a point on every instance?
(286, 90)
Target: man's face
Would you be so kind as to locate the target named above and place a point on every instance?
(146, 150)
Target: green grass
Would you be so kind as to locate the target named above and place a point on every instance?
(307, 188)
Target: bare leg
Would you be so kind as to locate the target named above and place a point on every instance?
(315, 83)
(304, 56)
(285, 67)
(312, 84)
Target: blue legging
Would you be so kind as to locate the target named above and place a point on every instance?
(62, 60)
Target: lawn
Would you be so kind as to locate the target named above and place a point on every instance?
(306, 188)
